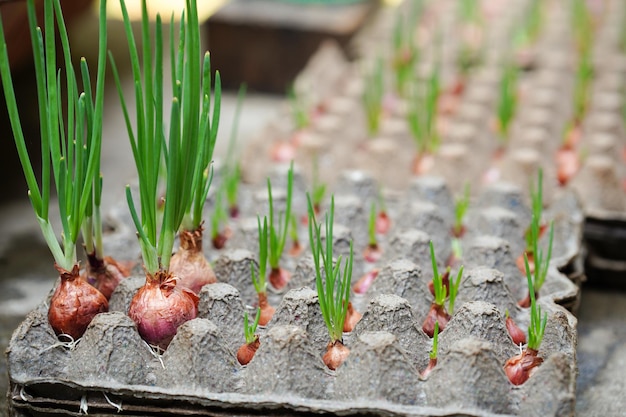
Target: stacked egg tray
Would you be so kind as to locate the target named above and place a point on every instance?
(112, 371)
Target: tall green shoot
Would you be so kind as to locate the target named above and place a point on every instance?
(422, 113)
(373, 97)
(537, 325)
(278, 228)
(507, 100)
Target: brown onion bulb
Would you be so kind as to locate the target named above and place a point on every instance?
(267, 311)
(517, 335)
(336, 354)
(189, 264)
(246, 352)
(363, 284)
(74, 304)
(352, 318)
(160, 306)
(279, 278)
(105, 274)
(436, 314)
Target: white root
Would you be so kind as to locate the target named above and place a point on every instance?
(156, 352)
(23, 395)
(84, 407)
(117, 406)
(70, 344)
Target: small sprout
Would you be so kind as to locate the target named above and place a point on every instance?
(334, 290)
(507, 101)
(296, 247)
(373, 251)
(231, 184)
(383, 221)
(460, 209)
(319, 188)
(258, 280)
(249, 331)
(441, 290)
(584, 78)
(233, 169)
(246, 352)
(278, 234)
(405, 51)
(520, 367)
(454, 290)
(437, 312)
(536, 205)
(432, 354)
(373, 97)
(219, 234)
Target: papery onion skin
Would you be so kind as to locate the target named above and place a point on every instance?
(352, 318)
(517, 335)
(383, 223)
(372, 253)
(336, 354)
(520, 367)
(432, 363)
(74, 304)
(246, 352)
(363, 284)
(160, 306)
(279, 278)
(105, 274)
(436, 314)
(189, 264)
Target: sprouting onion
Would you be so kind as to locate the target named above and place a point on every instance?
(507, 101)
(299, 110)
(70, 149)
(404, 48)
(383, 221)
(246, 352)
(161, 305)
(432, 355)
(334, 289)
(373, 97)
(296, 247)
(319, 188)
(373, 251)
(517, 335)
(422, 119)
(460, 209)
(520, 367)
(279, 277)
(258, 280)
(232, 177)
(441, 286)
(219, 228)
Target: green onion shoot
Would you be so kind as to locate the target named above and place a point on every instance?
(278, 229)
(373, 98)
(258, 280)
(333, 289)
(246, 352)
(373, 251)
(432, 355)
(70, 152)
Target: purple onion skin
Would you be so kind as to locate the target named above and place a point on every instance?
(160, 306)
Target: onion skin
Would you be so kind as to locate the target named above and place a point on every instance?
(522, 266)
(352, 318)
(233, 212)
(436, 313)
(279, 278)
(267, 311)
(422, 164)
(74, 304)
(189, 263)
(246, 352)
(520, 367)
(282, 152)
(431, 365)
(458, 232)
(517, 335)
(296, 249)
(363, 284)
(568, 164)
(525, 302)
(372, 253)
(104, 274)
(160, 306)
(336, 353)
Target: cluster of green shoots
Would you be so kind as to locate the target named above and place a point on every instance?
(70, 148)
(422, 114)
(541, 261)
(507, 100)
(331, 280)
(278, 230)
(249, 331)
(188, 150)
(373, 97)
(537, 325)
(439, 287)
(404, 47)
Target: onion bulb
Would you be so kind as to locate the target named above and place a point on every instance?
(437, 313)
(246, 352)
(520, 367)
(336, 354)
(189, 264)
(105, 274)
(352, 318)
(160, 306)
(74, 304)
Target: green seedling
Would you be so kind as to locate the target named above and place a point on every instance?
(507, 101)
(299, 111)
(232, 177)
(319, 187)
(422, 114)
(70, 139)
(278, 234)
(536, 199)
(332, 283)
(219, 220)
(371, 227)
(582, 86)
(231, 185)
(246, 352)
(537, 326)
(296, 248)
(460, 209)
(404, 47)
(373, 97)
